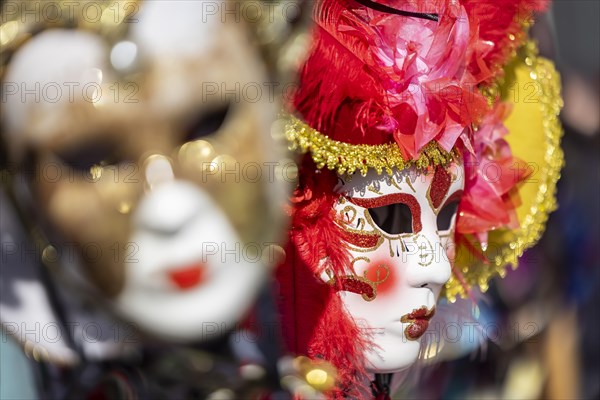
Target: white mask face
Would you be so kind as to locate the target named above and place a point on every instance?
(399, 230)
(182, 209)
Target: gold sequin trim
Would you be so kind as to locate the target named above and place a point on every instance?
(347, 158)
(533, 224)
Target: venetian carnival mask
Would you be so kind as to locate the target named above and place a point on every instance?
(148, 151)
(399, 230)
(410, 186)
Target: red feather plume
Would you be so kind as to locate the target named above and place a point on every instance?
(314, 320)
(499, 23)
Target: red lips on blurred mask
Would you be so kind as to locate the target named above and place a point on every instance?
(187, 277)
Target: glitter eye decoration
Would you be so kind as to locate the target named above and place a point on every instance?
(393, 219)
(391, 10)
(444, 218)
(363, 240)
(84, 156)
(393, 213)
(207, 123)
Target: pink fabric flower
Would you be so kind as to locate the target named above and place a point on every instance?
(422, 66)
(491, 175)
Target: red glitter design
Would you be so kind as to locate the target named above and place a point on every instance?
(362, 240)
(419, 322)
(439, 186)
(355, 285)
(394, 198)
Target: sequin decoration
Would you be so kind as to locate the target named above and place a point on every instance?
(439, 186)
(355, 284)
(362, 240)
(394, 198)
(347, 158)
(484, 264)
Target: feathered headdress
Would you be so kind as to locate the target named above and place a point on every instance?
(393, 84)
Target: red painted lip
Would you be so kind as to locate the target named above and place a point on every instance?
(187, 277)
(418, 321)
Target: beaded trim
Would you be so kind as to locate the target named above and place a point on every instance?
(512, 244)
(346, 158)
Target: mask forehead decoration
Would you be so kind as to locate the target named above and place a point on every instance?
(400, 115)
(162, 159)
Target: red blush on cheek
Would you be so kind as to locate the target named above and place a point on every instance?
(383, 275)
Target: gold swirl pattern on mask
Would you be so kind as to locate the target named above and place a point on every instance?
(353, 283)
(379, 279)
(348, 214)
(426, 251)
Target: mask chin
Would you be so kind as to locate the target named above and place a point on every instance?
(392, 357)
(188, 257)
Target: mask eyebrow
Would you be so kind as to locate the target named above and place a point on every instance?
(364, 240)
(456, 196)
(390, 10)
(382, 201)
(393, 198)
(440, 184)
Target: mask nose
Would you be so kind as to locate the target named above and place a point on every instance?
(169, 204)
(157, 169)
(168, 208)
(427, 264)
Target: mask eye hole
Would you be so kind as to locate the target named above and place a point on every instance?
(444, 218)
(207, 123)
(393, 219)
(85, 156)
